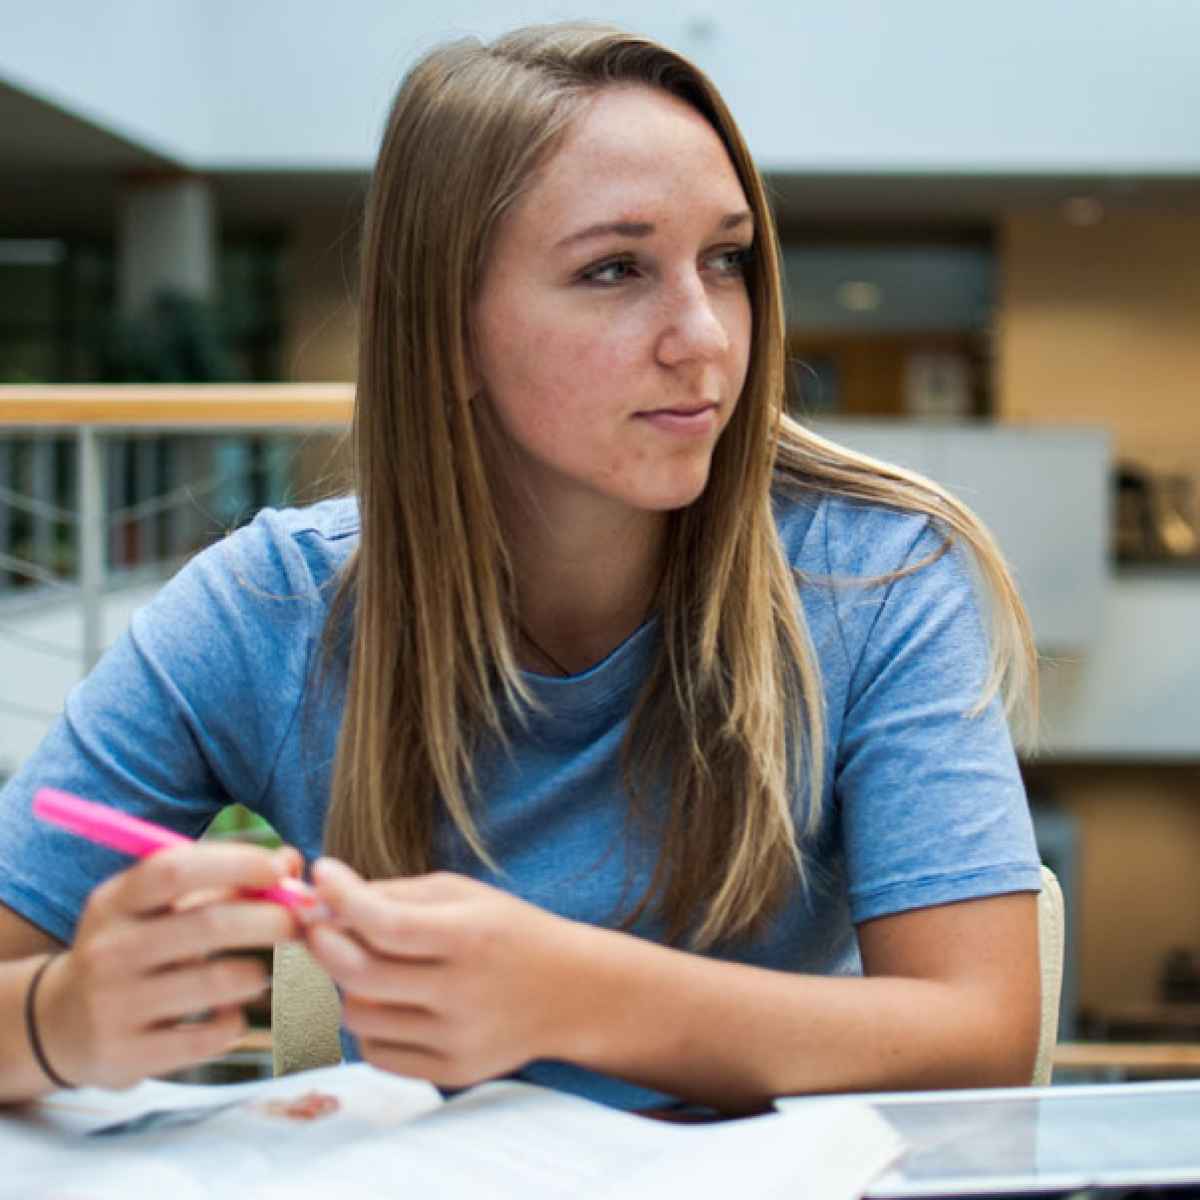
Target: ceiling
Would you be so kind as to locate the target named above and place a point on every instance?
(37, 136)
(61, 172)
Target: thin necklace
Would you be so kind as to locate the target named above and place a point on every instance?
(542, 650)
(554, 661)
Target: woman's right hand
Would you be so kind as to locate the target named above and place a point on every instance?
(150, 953)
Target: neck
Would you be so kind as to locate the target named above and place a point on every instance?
(585, 583)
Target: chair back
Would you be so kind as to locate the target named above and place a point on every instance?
(306, 1014)
(1052, 923)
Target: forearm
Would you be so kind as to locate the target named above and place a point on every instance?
(733, 1036)
(455, 981)
(21, 1078)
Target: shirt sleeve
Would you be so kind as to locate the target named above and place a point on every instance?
(931, 800)
(185, 714)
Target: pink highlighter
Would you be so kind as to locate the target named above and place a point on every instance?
(110, 827)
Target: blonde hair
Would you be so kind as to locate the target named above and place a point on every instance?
(730, 715)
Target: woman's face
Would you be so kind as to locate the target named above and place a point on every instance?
(612, 328)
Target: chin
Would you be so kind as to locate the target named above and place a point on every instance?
(676, 494)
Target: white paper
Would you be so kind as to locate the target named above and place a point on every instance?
(393, 1137)
(504, 1141)
(826, 1150)
(46, 1151)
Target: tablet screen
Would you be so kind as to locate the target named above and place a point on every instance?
(1043, 1139)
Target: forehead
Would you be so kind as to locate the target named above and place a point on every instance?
(634, 151)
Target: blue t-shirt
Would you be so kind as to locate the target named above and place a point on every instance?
(207, 699)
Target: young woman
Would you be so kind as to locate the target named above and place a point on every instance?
(656, 745)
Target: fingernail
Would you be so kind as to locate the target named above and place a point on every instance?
(284, 860)
(340, 946)
(311, 914)
(327, 868)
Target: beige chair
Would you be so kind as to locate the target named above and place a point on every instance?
(1052, 924)
(305, 1010)
(306, 1014)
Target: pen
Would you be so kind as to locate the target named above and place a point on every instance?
(110, 827)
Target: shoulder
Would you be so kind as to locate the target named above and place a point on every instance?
(317, 539)
(823, 534)
(879, 581)
(287, 552)
(281, 569)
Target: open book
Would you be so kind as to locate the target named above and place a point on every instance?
(353, 1131)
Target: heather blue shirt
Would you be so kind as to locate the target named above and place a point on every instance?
(206, 700)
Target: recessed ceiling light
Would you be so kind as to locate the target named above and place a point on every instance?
(859, 295)
(1083, 211)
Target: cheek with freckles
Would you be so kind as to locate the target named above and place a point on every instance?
(557, 395)
(566, 393)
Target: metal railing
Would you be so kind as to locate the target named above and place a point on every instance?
(102, 479)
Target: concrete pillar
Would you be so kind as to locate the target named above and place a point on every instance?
(167, 239)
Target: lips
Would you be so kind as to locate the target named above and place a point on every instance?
(689, 411)
(692, 420)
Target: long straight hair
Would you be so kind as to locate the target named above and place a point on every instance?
(728, 723)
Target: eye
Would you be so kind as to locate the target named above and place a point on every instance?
(605, 274)
(734, 260)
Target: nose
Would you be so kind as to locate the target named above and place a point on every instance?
(692, 325)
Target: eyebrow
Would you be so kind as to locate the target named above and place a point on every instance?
(641, 229)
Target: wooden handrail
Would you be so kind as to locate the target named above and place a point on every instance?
(1150, 1058)
(177, 405)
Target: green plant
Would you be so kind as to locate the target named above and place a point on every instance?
(237, 823)
(175, 339)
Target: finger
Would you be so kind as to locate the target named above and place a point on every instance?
(417, 1062)
(174, 1046)
(437, 887)
(385, 924)
(137, 947)
(290, 861)
(197, 987)
(201, 899)
(338, 952)
(372, 976)
(300, 901)
(200, 932)
(396, 1023)
(366, 972)
(165, 877)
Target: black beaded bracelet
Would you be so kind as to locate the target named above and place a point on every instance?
(31, 1028)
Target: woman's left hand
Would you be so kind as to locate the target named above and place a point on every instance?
(443, 977)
